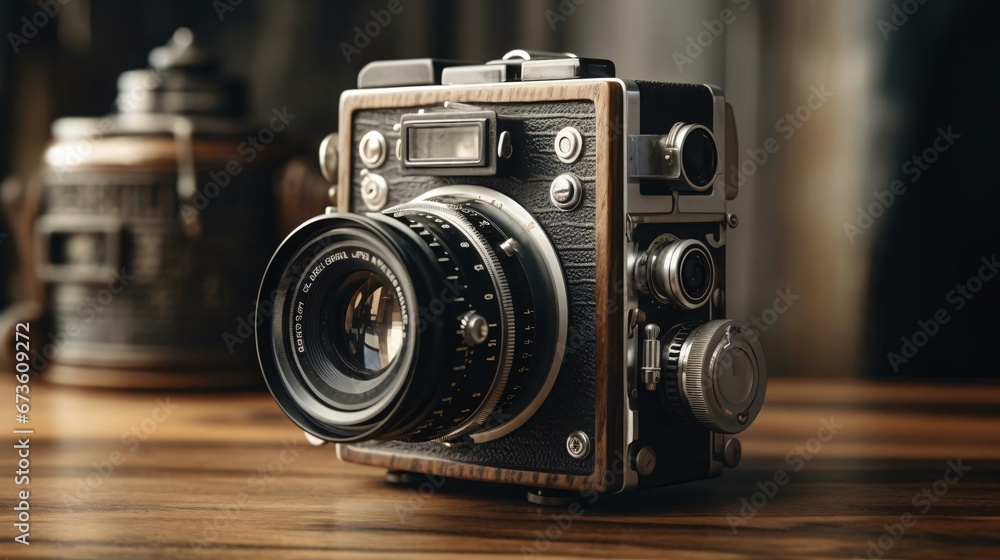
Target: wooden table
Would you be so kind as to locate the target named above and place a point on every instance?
(153, 475)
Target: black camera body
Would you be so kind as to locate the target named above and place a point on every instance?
(523, 280)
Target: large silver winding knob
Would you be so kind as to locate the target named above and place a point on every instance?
(715, 375)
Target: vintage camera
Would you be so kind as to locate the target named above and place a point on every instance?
(522, 281)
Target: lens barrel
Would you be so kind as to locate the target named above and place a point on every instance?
(679, 272)
(422, 323)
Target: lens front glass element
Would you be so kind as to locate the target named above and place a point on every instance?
(348, 322)
(370, 334)
(699, 157)
(696, 274)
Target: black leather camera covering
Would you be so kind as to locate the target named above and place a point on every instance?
(540, 444)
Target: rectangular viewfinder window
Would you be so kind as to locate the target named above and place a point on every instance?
(453, 144)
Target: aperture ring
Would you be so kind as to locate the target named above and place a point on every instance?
(470, 398)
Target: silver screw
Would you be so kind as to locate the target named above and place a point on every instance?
(645, 461)
(562, 190)
(578, 445)
(566, 192)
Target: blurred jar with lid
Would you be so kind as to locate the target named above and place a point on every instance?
(156, 222)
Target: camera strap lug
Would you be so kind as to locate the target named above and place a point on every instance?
(651, 157)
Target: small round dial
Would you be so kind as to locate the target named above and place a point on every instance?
(714, 375)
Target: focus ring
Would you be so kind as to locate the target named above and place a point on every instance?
(438, 215)
(698, 354)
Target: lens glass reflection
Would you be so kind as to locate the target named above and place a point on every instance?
(698, 155)
(369, 330)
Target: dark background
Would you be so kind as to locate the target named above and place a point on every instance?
(896, 78)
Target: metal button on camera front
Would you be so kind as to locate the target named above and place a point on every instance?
(505, 147)
(475, 329)
(510, 246)
(372, 149)
(374, 190)
(569, 145)
(578, 445)
(328, 157)
(644, 461)
(566, 192)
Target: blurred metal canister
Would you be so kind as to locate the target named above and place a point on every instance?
(158, 220)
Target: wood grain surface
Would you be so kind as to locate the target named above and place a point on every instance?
(158, 475)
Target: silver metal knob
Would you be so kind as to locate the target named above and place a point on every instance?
(720, 375)
(372, 149)
(328, 157)
(475, 329)
(374, 190)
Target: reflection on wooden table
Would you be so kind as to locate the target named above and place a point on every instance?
(904, 471)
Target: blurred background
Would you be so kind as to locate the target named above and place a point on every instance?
(867, 130)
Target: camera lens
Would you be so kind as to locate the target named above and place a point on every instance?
(342, 318)
(677, 272)
(695, 274)
(371, 332)
(360, 334)
(693, 147)
(699, 158)
(367, 336)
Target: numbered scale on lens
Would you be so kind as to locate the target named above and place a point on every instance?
(480, 281)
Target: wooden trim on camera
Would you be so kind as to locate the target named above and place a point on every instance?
(608, 98)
